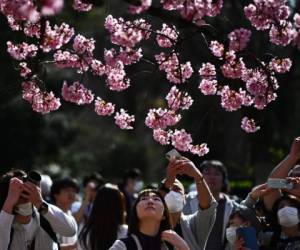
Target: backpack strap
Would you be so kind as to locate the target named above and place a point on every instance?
(10, 237)
(130, 243)
(48, 229)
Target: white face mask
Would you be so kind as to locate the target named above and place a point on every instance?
(24, 209)
(288, 216)
(138, 186)
(231, 234)
(174, 201)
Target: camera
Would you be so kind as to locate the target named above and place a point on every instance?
(33, 177)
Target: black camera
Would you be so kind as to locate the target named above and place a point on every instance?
(33, 177)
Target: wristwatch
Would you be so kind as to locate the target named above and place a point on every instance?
(43, 208)
(164, 188)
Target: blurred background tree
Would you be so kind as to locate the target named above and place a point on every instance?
(74, 140)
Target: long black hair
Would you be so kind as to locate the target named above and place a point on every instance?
(108, 213)
(134, 220)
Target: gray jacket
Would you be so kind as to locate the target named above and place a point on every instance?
(192, 205)
(196, 227)
(61, 223)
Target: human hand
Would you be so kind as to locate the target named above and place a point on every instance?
(295, 149)
(296, 189)
(189, 168)
(15, 190)
(32, 193)
(260, 191)
(174, 168)
(239, 244)
(174, 239)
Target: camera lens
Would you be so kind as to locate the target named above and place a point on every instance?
(34, 177)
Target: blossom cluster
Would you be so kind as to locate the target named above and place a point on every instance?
(194, 11)
(176, 72)
(77, 93)
(208, 84)
(273, 16)
(178, 99)
(104, 108)
(21, 51)
(124, 120)
(42, 102)
(127, 33)
(167, 36)
(145, 5)
(249, 125)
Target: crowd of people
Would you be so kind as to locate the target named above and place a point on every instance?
(41, 214)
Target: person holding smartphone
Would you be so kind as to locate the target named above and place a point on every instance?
(194, 228)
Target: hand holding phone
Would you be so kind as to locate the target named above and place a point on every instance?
(280, 183)
(249, 236)
(173, 154)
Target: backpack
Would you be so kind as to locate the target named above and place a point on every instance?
(45, 225)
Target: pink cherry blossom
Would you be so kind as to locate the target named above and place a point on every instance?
(104, 108)
(217, 48)
(199, 150)
(178, 99)
(65, 59)
(124, 120)
(161, 118)
(51, 7)
(77, 93)
(145, 5)
(116, 77)
(162, 136)
(82, 45)
(207, 71)
(57, 37)
(25, 71)
(21, 51)
(238, 39)
(208, 87)
(249, 125)
(297, 20)
(167, 36)
(126, 33)
(181, 140)
(230, 99)
(280, 65)
(80, 5)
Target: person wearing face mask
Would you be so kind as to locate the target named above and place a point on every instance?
(26, 220)
(132, 184)
(285, 222)
(244, 217)
(194, 228)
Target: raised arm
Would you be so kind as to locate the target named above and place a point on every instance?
(204, 194)
(282, 170)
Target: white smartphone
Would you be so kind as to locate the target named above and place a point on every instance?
(173, 154)
(279, 183)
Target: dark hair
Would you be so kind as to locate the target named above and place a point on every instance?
(134, 220)
(96, 177)
(220, 167)
(4, 183)
(58, 185)
(133, 173)
(107, 215)
(274, 218)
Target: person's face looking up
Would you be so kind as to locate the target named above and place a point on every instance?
(150, 206)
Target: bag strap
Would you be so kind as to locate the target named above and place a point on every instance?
(130, 243)
(48, 229)
(10, 237)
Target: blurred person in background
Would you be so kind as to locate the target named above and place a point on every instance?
(216, 177)
(63, 193)
(131, 185)
(150, 226)
(82, 210)
(46, 184)
(26, 220)
(196, 227)
(107, 220)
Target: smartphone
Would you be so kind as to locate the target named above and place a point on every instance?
(249, 236)
(173, 154)
(280, 183)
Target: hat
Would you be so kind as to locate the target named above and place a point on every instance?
(250, 215)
